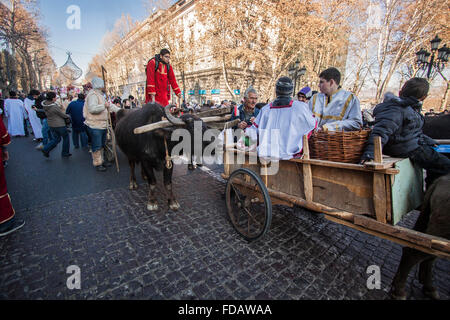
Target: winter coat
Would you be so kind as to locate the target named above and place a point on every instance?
(399, 124)
(239, 113)
(55, 114)
(75, 110)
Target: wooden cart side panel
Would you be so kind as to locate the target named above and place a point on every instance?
(347, 190)
(407, 189)
(289, 179)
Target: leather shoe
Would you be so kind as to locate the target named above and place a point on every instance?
(100, 168)
(67, 155)
(46, 154)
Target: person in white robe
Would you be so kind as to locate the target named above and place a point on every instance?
(34, 120)
(16, 113)
(336, 109)
(281, 125)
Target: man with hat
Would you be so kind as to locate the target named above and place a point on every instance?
(281, 124)
(335, 108)
(305, 94)
(96, 114)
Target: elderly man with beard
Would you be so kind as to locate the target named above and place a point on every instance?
(95, 112)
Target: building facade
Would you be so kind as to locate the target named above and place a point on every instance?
(200, 76)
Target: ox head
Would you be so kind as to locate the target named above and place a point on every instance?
(186, 131)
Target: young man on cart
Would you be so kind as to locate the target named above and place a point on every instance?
(399, 124)
(335, 108)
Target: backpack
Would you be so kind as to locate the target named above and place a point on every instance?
(156, 68)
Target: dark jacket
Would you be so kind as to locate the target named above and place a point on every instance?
(399, 124)
(75, 110)
(40, 109)
(243, 116)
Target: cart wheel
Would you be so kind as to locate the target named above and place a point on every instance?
(248, 204)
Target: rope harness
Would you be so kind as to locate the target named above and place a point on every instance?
(168, 158)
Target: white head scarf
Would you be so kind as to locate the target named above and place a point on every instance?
(97, 83)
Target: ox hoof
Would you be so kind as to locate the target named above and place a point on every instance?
(174, 205)
(191, 167)
(133, 185)
(431, 293)
(398, 294)
(152, 206)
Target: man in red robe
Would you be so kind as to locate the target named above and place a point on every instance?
(8, 222)
(160, 77)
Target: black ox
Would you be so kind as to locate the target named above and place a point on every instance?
(437, 127)
(149, 149)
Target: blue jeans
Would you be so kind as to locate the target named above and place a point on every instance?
(46, 134)
(57, 134)
(98, 137)
(79, 134)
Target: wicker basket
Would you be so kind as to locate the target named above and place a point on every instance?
(338, 146)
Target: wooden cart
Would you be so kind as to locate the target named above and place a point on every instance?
(370, 198)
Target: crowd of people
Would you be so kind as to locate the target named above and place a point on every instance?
(89, 115)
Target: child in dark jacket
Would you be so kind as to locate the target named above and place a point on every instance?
(399, 124)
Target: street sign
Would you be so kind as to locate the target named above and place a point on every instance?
(215, 91)
(237, 92)
(201, 91)
(191, 92)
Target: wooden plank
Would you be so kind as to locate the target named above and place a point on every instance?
(346, 190)
(226, 156)
(434, 250)
(418, 238)
(379, 196)
(377, 150)
(312, 205)
(388, 199)
(307, 174)
(302, 202)
(379, 184)
(385, 168)
(214, 112)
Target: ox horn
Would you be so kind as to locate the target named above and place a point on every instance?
(171, 118)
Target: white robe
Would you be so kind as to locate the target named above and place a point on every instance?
(341, 112)
(34, 120)
(280, 130)
(15, 112)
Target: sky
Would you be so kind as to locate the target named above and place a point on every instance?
(96, 18)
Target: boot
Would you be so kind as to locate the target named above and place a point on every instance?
(97, 158)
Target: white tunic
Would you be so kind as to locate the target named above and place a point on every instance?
(280, 130)
(15, 112)
(339, 112)
(34, 120)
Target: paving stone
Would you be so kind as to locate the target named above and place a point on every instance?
(124, 252)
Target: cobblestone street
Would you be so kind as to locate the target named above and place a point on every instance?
(126, 252)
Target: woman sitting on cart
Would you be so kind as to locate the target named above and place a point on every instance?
(281, 124)
(399, 124)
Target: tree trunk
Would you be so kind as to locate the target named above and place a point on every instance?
(225, 76)
(445, 98)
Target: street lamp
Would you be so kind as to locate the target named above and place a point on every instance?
(295, 72)
(432, 65)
